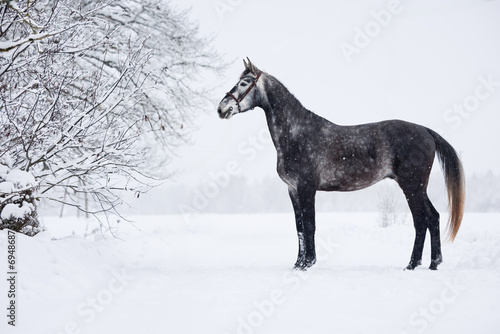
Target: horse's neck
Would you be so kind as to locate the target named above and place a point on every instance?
(284, 113)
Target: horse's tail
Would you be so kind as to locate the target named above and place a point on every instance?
(455, 182)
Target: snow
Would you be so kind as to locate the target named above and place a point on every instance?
(14, 210)
(227, 274)
(15, 177)
(12, 180)
(6, 187)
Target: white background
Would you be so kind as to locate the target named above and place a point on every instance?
(428, 58)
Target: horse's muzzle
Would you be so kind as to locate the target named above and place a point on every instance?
(226, 114)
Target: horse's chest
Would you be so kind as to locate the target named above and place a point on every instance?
(293, 168)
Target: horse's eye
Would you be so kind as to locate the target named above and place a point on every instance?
(243, 84)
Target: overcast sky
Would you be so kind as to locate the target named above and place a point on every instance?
(436, 63)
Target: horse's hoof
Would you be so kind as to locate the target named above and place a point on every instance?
(434, 264)
(304, 264)
(437, 261)
(412, 265)
(299, 265)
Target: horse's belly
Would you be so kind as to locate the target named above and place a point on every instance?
(347, 184)
(339, 179)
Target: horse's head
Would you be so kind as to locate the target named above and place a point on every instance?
(244, 95)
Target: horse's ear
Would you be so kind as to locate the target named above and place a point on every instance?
(251, 67)
(246, 65)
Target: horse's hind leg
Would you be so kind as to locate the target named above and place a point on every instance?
(433, 226)
(412, 168)
(425, 217)
(420, 231)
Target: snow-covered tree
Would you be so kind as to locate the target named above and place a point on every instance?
(17, 201)
(391, 205)
(94, 94)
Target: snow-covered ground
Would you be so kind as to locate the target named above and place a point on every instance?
(229, 274)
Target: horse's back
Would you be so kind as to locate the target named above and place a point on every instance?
(358, 156)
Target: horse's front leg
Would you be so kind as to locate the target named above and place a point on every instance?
(303, 206)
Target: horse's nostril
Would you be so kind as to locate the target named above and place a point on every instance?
(230, 109)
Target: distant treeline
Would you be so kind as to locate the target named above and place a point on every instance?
(236, 194)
